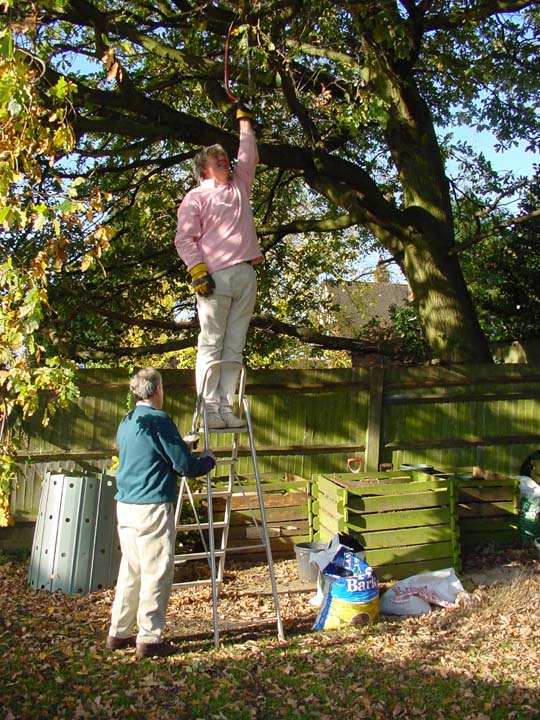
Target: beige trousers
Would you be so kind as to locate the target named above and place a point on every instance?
(224, 318)
(147, 536)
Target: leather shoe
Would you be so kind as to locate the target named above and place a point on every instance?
(119, 643)
(161, 649)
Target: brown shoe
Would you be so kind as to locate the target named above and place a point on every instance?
(161, 649)
(119, 643)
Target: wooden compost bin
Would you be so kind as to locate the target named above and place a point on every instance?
(487, 506)
(406, 521)
(287, 504)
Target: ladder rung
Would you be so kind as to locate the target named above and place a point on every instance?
(235, 548)
(226, 461)
(220, 431)
(215, 493)
(185, 557)
(195, 583)
(202, 526)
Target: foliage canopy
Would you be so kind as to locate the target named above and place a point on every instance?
(349, 97)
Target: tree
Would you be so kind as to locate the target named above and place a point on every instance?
(347, 96)
(503, 274)
(30, 382)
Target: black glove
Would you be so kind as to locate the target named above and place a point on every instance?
(201, 280)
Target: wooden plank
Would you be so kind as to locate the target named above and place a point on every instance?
(280, 530)
(403, 537)
(327, 504)
(486, 494)
(410, 553)
(243, 501)
(469, 440)
(354, 482)
(409, 518)
(331, 510)
(329, 526)
(239, 517)
(375, 415)
(486, 509)
(410, 501)
(276, 543)
(326, 486)
(390, 483)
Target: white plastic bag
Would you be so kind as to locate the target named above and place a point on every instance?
(528, 488)
(415, 595)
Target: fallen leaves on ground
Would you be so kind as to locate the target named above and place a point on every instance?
(478, 661)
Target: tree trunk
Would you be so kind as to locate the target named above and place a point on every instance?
(444, 303)
(445, 306)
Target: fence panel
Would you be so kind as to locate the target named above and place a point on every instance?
(308, 422)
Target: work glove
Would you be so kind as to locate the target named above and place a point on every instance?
(201, 280)
(243, 110)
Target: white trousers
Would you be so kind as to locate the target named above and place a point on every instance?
(147, 535)
(224, 318)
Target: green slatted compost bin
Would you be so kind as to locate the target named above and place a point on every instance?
(75, 548)
(487, 506)
(405, 520)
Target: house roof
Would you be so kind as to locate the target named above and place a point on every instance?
(360, 302)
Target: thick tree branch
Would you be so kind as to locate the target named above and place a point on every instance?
(263, 323)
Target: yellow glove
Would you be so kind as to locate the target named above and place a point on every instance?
(243, 110)
(201, 280)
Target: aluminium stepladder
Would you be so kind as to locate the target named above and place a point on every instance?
(215, 556)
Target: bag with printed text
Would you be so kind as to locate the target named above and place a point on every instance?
(351, 588)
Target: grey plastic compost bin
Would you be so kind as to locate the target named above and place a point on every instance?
(75, 548)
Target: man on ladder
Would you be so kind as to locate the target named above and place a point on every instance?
(217, 240)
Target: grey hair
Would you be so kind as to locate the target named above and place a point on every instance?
(144, 383)
(199, 161)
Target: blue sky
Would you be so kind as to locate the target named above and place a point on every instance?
(516, 159)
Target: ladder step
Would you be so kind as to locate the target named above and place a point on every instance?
(221, 431)
(195, 583)
(226, 461)
(215, 493)
(238, 548)
(185, 557)
(202, 526)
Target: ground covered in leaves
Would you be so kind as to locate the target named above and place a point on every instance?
(478, 661)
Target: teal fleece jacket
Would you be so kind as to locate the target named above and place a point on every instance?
(152, 456)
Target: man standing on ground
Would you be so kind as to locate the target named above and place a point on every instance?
(217, 240)
(152, 455)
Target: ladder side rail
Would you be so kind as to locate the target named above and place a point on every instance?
(279, 623)
(198, 523)
(226, 518)
(211, 538)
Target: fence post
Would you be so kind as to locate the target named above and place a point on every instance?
(373, 430)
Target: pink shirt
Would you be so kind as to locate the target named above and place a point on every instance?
(215, 220)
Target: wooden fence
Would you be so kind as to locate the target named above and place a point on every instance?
(308, 422)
